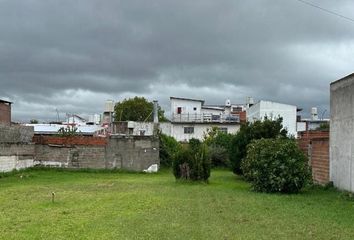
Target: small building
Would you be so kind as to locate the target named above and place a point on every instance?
(191, 118)
(274, 110)
(342, 133)
(5, 112)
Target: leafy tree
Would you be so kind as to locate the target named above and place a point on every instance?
(34, 121)
(251, 131)
(168, 149)
(136, 109)
(219, 144)
(324, 126)
(276, 165)
(192, 162)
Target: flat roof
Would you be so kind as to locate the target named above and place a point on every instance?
(188, 99)
(4, 101)
(344, 78)
(213, 108)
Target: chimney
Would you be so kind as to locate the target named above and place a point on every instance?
(155, 112)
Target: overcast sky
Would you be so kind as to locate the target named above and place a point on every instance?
(72, 55)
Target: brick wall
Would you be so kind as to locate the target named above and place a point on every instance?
(67, 141)
(315, 145)
(5, 113)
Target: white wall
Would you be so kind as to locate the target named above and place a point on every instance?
(177, 130)
(212, 111)
(274, 110)
(146, 127)
(9, 163)
(187, 106)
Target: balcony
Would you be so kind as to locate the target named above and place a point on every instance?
(205, 118)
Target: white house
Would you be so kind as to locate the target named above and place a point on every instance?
(274, 110)
(191, 118)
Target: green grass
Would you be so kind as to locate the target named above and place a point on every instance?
(102, 205)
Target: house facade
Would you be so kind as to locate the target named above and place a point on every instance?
(191, 118)
(274, 110)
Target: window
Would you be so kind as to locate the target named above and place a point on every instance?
(237, 109)
(188, 130)
(179, 110)
(223, 129)
(195, 109)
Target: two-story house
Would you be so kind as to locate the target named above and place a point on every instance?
(191, 118)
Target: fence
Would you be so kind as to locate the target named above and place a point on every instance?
(205, 117)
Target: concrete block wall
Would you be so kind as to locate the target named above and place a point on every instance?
(73, 156)
(134, 153)
(16, 147)
(16, 134)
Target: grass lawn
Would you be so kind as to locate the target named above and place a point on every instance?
(141, 206)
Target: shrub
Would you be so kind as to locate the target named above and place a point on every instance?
(251, 131)
(192, 162)
(276, 165)
(168, 148)
(219, 144)
(219, 156)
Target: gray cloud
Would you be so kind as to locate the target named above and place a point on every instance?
(73, 55)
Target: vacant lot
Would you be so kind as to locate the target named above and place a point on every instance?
(141, 206)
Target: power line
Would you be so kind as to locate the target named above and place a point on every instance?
(326, 10)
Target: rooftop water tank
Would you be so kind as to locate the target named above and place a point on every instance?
(109, 106)
(228, 103)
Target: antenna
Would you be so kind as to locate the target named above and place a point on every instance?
(57, 114)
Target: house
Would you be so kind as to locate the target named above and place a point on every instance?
(192, 118)
(274, 110)
(341, 133)
(5, 112)
(313, 123)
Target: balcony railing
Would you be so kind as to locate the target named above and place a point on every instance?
(205, 118)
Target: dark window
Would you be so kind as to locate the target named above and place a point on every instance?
(224, 130)
(237, 109)
(189, 130)
(195, 109)
(179, 110)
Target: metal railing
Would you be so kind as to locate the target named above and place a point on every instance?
(206, 118)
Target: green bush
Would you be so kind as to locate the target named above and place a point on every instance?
(192, 162)
(276, 165)
(219, 144)
(168, 148)
(251, 131)
(219, 156)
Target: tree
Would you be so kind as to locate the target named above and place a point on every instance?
(252, 131)
(219, 144)
(192, 162)
(136, 109)
(276, 165)
(323, 127)
(168, 149)
(34, 121)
